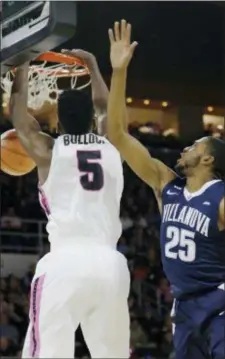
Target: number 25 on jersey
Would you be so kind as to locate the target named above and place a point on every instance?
(180, 244)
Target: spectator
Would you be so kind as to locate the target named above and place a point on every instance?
(167, 346)
(14, 284)
(138, 336)
(26, 281)
(122, 246)
(7, 330)
(10, 220)
(164, 292)
(3, 304)
(3, 285)
(127, 222)
(7, 347)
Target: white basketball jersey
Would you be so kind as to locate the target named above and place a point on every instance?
(82, 194)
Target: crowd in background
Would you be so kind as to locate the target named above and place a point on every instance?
(150, 298)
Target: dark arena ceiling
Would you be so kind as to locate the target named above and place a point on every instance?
(181, 44)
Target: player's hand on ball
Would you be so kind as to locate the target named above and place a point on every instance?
(121, 48)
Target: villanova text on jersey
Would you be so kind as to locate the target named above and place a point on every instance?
(192, 246)
(189, 216)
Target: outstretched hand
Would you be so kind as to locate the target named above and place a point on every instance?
(121, 48)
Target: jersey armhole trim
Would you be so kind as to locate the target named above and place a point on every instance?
(170, 183)
(49, 171)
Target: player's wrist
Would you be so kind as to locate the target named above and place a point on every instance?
(119, 71)
(91, 63)
(22, 68)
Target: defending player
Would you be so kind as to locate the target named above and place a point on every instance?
(193, 223)
(83, 280)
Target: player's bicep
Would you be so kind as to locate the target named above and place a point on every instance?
(101, 123)
(150, 170)
(38, 145)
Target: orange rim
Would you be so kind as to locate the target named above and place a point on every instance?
(63, 72)
(52, 56)
(59, 73)
(57, 57)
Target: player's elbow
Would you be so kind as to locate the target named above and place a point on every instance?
(115, 137)
(100, 104)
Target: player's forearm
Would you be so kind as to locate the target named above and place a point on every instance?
(21, 120)
(19, 96)
(100, 95)
(117, 112)
(99, 89)
(20, 84)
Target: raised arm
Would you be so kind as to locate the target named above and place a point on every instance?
(100, 92)
(150, 170)
(100, 95)
(38, 144)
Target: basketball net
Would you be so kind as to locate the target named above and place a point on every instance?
(44, 78)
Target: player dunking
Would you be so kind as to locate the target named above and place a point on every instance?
(83, 280)
(193, 223)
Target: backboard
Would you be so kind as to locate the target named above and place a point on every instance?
(29, 28)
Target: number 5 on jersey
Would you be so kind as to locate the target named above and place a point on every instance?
(92, 178)
(180, 244)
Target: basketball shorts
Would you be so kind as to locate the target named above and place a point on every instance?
(199, 326)
(71, 288)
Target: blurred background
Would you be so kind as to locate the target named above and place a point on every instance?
(175, 94)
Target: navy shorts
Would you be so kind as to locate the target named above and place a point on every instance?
(199, 326)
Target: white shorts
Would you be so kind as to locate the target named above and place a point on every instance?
(78, 287)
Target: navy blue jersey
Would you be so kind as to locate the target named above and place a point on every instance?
(192, 246)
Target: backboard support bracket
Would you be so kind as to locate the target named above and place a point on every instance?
(59, 25)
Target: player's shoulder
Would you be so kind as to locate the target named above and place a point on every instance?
(215, 189)
(219, 184)
(178, 183)
(109, 144)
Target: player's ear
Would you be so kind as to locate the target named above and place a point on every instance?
(207, 160)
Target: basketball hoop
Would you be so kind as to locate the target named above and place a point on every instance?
(45, 76)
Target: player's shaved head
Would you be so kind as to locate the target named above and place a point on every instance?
(75, 110)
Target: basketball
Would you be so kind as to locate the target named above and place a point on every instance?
(14, 159)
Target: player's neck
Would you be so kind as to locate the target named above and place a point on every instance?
(195, 182)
